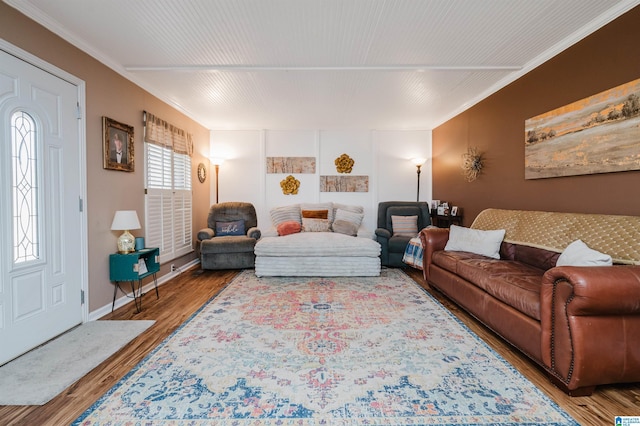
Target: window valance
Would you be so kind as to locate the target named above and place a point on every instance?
(159, 132)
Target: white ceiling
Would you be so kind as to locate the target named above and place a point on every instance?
(324, 64)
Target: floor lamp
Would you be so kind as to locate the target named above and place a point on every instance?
(418, 162)
(216, 164)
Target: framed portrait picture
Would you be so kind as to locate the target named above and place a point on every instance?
(117, 139)
(454, 211)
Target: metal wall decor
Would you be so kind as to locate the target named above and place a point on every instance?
(472, 164)
(344, 164)
(290, 185)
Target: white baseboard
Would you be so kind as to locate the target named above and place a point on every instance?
(128, 298)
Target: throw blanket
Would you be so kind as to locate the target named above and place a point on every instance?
(413, 253)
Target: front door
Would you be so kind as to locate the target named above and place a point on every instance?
(40, 218)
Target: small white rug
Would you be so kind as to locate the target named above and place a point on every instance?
(38, 376)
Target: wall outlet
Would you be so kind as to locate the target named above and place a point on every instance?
(173, 267)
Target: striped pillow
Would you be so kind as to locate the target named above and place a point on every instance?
(406, 226)
(284, 214)
(349, 216)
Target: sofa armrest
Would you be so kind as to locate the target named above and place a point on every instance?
(206, 234)
(383, 233)
(596, 290)
(590, 321)
(432, 239)
(254, 232)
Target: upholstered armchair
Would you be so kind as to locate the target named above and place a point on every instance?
(229, 239)
(410, 217)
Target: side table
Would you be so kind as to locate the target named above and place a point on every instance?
(443, 221)
(134, 267)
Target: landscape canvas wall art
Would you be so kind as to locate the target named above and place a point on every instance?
(598, 134)
(291, 164)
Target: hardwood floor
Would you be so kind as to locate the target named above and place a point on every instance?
(182, 296)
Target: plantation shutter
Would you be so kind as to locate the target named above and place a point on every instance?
(168, 205)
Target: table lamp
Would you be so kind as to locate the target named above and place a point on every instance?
(125, 220)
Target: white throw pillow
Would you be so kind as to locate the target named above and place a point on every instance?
(285, 214)
(579, 254)
(486, 243)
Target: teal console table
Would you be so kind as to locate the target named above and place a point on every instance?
(134, 267)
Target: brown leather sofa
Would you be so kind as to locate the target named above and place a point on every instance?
(581, 324)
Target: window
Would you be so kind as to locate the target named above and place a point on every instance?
(168, 212)
(25, 191)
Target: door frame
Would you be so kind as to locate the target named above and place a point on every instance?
(81, 99)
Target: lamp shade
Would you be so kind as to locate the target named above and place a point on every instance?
(418, 161)
(216, 161)
(125, 220)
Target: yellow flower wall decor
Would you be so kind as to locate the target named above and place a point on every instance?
(290, 185)
(344, 164)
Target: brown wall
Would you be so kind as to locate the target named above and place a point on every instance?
(607, 58)
(109, 94)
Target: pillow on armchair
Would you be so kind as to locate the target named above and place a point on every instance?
(235, 227)
(406, 226)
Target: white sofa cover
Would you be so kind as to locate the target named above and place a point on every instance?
(324, 254)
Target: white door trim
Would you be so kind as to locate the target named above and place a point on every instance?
(81, 91)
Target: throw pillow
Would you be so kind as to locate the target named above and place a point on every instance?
(347, 207)
(235, 227)
(285, 213)
(345, 227)
(315, 214)
(319, 206)
(315, 225)
(406, 226)
(486, 243)
(579, 254)
(288, 227)
(349, 216)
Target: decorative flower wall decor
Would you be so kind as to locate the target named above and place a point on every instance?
(472, 163)
(290, 185)
(344, 164)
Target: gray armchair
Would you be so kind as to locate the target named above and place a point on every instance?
(393, 246)
(229, 239)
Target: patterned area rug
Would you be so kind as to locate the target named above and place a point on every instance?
(319, 351)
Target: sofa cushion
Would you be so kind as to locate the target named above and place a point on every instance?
(536, 257)
(398, 243)
(486, 243)
(228, 244)
(579, 254)
(514, 283)
(406, 226)
(324, 244)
